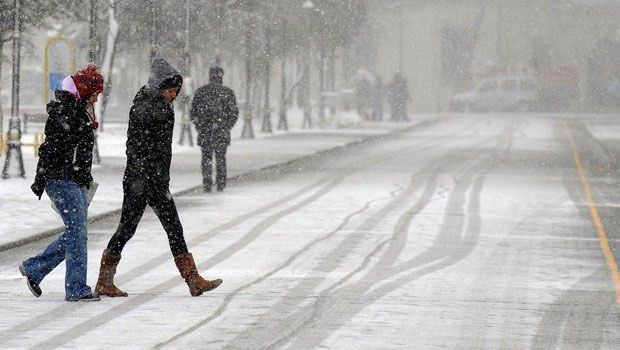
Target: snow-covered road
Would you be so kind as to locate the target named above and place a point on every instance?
(472, 232)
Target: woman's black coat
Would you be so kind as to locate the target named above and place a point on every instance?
(67, 153)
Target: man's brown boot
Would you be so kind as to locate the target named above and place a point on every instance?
(197, 285)
(105, 283)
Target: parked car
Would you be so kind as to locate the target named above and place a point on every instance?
(502, 93)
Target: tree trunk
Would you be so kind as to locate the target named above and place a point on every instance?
(108, 61)
(321, 85)
(267, 103)
(282, 121)
(332, 77)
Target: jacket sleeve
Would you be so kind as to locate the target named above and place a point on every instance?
(231, 112)
(196, 109)
(139, 138)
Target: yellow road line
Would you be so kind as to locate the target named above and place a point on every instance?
(600, 230)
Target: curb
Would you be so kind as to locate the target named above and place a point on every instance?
(108, 214)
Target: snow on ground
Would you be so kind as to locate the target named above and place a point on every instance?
(23, 216)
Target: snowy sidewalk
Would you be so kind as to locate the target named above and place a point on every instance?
(24, 217)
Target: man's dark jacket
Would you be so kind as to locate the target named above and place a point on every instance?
(149, 135)
(67, 153)
(214, 113)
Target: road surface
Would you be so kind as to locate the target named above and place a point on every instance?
(475, 231)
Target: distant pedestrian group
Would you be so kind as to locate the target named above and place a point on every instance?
(371, 94)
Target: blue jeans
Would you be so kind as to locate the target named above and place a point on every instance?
(70, 199)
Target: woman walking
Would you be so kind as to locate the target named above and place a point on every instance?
(147, 181)
(63, 171)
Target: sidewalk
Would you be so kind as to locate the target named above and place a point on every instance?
(25, 218)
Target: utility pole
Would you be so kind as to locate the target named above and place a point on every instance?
(186, 128)
(15, 133)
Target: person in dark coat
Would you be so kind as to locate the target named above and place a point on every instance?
(64, 172)
(146, 180)
(214, 113)
(399, 98)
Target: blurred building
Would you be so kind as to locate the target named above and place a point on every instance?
(571, 46)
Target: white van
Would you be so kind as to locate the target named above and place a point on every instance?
(502, 93)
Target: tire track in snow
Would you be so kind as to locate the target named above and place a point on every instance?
(340, 306)
(262, 278)
(374, 219)
(154, 292)
(52, 315)
(278, 313)
(121, 278)
(314, 312)
(228, 299)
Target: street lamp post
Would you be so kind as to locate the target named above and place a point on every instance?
(15, 134)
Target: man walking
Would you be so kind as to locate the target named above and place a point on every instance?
(214, 112)
(147, 177)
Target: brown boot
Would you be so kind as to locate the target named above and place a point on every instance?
(197, 285)
(105, 283)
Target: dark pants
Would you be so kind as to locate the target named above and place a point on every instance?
(210, 149)
(137, 194)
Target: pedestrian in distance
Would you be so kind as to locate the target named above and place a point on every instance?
(64, 172)
(214, 113)
(399, 98)
(146, 180)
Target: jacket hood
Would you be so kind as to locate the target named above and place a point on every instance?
(68, 84)
(161, 70)
(145, 94)
(64, 98)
